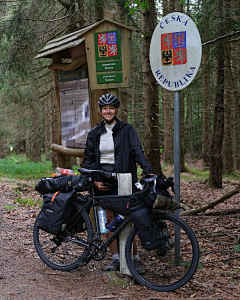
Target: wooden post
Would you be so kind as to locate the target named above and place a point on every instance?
(60, 157)
(95, 115)
(124, 188)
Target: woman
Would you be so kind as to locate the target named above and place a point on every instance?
(113, 145)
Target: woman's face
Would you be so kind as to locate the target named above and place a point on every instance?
(109, 112)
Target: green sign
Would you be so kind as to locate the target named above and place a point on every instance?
(109, 66)
(109, 78)
(73, 75)
(107, 45)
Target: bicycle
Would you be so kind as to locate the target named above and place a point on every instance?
(166, 268)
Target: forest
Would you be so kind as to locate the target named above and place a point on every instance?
(209, 141)
(210, 106)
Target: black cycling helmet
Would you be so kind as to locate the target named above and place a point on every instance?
(108, 99)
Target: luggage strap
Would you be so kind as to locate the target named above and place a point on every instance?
(54, 196)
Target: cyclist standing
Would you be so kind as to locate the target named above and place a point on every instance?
(114, 146)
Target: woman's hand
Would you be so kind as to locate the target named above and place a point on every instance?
(100, 186)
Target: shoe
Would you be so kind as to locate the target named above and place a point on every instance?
(138, 266)
(114, 266)
(164, 234)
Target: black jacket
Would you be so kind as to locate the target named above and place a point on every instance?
(128, 150)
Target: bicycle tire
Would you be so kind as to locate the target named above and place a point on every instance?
(59, 253)
(162, 273)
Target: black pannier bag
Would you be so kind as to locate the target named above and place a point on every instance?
(55, 212)
(146, 230)
(63, 183)
(76, 221)
(122, 205)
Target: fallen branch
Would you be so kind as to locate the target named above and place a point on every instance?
(67, 151)
(222, 212)
(184, 207)
(211, 204)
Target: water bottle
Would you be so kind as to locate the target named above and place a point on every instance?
(116, 222)
(102, 219)
(62, 171)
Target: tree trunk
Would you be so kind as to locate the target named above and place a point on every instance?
(227, 139)
(99, 9)
(189, 124)
(236, 121)
(182, 160)
(150, 93)
(235, 88)
(206, 110)
(216, 166)
(167, 98)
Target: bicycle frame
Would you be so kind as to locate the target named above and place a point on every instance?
(93, 199)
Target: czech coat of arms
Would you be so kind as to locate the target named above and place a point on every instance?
(107, 44)
(173, 48)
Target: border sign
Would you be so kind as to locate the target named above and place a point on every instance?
(175, 51)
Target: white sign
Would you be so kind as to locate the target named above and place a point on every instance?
(175, 51)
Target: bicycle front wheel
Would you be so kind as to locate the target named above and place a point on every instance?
(173, 264)
(64, 252)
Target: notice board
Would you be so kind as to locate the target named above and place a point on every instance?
(74, 105)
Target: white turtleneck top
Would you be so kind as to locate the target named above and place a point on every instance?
(106, 146)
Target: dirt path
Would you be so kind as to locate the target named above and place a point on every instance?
(24, 276)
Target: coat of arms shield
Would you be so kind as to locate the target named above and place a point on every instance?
(173, 48)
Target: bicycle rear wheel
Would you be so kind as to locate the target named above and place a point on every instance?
(166, 268)
(58, 252)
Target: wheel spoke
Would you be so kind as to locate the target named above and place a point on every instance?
(68, 251)
(167, 268)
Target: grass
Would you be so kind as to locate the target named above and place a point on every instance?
(9, 207)
(20, 167)
(115, 280)
(29, 202)
(194, 174)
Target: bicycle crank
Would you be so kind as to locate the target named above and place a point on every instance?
(97, 250)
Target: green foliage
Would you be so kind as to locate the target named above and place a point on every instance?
(200, 266)
(29, 202)
(20, 167)
(237, 248)
(136, 5)
(116, 281)
(195, 175)
(234, 175)
(9, 207)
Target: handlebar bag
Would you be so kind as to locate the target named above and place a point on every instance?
(149, 197)
(147, 232)
(63, 183)
(122, 205)
(55, 212)
(161, 199)
(165, 201)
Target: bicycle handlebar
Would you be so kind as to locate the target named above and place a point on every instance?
(106, 174)
(146, 180)
(143, 191)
